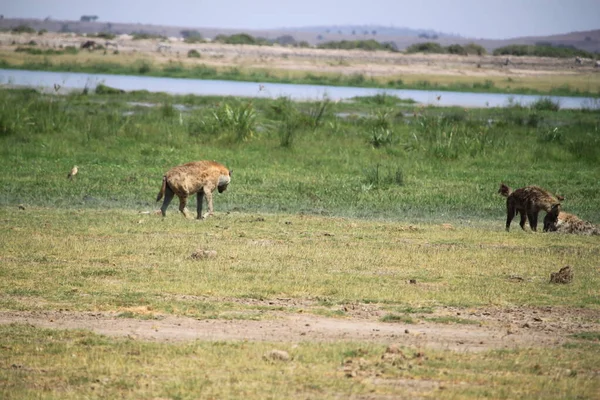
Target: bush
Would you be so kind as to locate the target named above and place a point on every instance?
(103, 89)
(544, 50)
(144, 35)
(241, 38)
(239, 119)
(191, 36)
(426, 47)
(193, 53)
(370, 45)
(456, 49)
(545, 104)
(476, 49)
(23, 29)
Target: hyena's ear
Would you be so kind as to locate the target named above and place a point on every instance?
(230, 172)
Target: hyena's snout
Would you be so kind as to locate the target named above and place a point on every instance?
(223, 182)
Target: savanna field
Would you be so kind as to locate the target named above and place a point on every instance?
(371, 211)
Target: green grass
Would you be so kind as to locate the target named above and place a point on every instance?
(443, 165)
(57, 364)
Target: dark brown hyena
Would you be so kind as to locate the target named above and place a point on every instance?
(570, 223)
(201, 177)
(529, 201)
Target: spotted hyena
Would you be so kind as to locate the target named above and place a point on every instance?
(529, 201)
(201, 177)
(570, 223)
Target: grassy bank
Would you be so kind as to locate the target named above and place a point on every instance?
(372, 158)
(553, 84)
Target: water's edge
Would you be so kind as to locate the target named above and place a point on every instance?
(68, 81)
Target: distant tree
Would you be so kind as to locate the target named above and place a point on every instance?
(353, 32)
(320, 37)
(374, 32)
(88, 18)
(191, 36)
(286, 40)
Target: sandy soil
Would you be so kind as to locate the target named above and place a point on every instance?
(377, 63)
(495, 328)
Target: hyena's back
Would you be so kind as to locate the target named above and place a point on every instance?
(191, 177)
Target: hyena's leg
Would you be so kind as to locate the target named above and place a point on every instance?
(523, 220)
(168, 197)
(510, 214)
(533, 217)
(182, 204)
(209, 201)
(200, 200)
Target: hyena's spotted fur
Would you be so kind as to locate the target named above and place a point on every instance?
(529, 201)
(201, 177)
(570, 223)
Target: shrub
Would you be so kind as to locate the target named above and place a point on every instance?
(545, 104)
(145, 35)
(193, 53)
(191, 36)
(543, 50)
(241, 38)
(456, 49)
(23, 29)
(103, 89)
(426, 47)
(240, 119)
(370, 44)
(476, 49)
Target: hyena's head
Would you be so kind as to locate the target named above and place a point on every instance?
(224, 181)
(504, 190)
(551, 218)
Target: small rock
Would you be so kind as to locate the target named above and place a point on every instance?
(565, 275)
(21, 207)
(201, 254)
(393, 349)
(277, 355)
(413, 281)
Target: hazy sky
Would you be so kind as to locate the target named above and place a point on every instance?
(469, 18)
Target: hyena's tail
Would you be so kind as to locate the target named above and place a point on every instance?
(504, 190)
(162, 189)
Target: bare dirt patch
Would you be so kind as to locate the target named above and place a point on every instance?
(488, 328)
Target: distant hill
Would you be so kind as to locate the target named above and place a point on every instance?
(402, 37)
